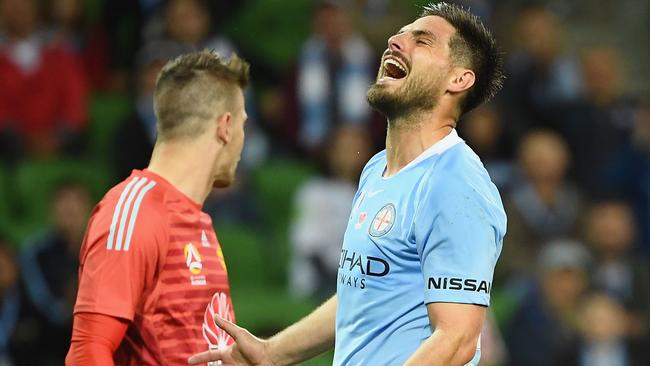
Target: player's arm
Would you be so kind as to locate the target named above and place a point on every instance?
(95, 337)
(117, 263)
(303, 340)
(458, 230)
(456, 335)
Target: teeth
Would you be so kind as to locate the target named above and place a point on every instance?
(395, 63)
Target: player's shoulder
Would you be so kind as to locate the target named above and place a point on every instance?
(131, 207)
(459, 167)
(459, 173)
(377, 161)
(140, 191)
(458, 184)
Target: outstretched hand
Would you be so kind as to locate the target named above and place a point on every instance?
(247, 350)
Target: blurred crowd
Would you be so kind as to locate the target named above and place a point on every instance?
(567, 142)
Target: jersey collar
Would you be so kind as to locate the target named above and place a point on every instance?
(438, 148)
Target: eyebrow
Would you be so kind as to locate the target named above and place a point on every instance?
(419, 33)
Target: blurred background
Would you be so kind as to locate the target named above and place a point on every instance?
(567, 142)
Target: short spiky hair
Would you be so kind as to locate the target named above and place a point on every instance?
(234, 70)
(474, 47)
(189, 87)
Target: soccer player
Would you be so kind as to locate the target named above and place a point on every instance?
(152, 275)
(427, 223)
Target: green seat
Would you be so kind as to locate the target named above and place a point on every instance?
(249, 29)
(36, 181)
(504, 304)
(323, 360)
(275, 184)
(242, 252)
(264, 311)
(107, 111)
(267, 310)
(5, 203)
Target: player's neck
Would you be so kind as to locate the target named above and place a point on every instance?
(406, 139)
(185, 166)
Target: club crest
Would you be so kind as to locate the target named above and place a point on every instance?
(383, 221)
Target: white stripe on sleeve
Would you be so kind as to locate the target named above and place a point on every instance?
(125, 212)
(134, 213)
(116, 212)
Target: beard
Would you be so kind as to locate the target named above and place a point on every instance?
(415, 95)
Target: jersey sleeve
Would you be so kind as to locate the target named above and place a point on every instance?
(458, 232)
(95, 337)
(119, 260)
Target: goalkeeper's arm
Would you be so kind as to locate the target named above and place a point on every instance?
(95, 337)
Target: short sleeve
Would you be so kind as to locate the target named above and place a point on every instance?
(459, 232)
(119, 262)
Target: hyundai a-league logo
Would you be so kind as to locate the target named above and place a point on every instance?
(383, 221)
(193, 258)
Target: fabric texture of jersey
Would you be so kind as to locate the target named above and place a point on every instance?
(432, 232)
(150, 255)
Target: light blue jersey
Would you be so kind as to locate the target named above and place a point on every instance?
(430, 233)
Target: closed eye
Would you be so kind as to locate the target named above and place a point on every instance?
(423, 37)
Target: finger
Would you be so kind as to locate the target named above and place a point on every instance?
(204, 357)
(233, 330)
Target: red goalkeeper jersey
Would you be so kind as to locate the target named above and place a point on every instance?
(150, 255)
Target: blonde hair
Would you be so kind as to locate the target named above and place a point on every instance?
(193, 88)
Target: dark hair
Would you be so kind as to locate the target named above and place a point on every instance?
(472, 45)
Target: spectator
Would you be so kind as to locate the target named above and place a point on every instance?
(627, 175)
(544, 326)
(545, 205)
(123, 21)
(236, 205)
(9, 301)
(542, 76)
(49, 262)
(136, 135)
(334, 69)
(617, 271)
(190, 22)
(73, 27)
(378, 18)
(603, 341)
(43, 96)
(484, 132)
(602, 121)
(323, 207)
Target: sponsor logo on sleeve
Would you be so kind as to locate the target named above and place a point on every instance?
(459, 284)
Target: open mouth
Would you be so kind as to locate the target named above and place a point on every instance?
(393, 69)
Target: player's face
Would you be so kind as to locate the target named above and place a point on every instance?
(232, 150)
(413, 68)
